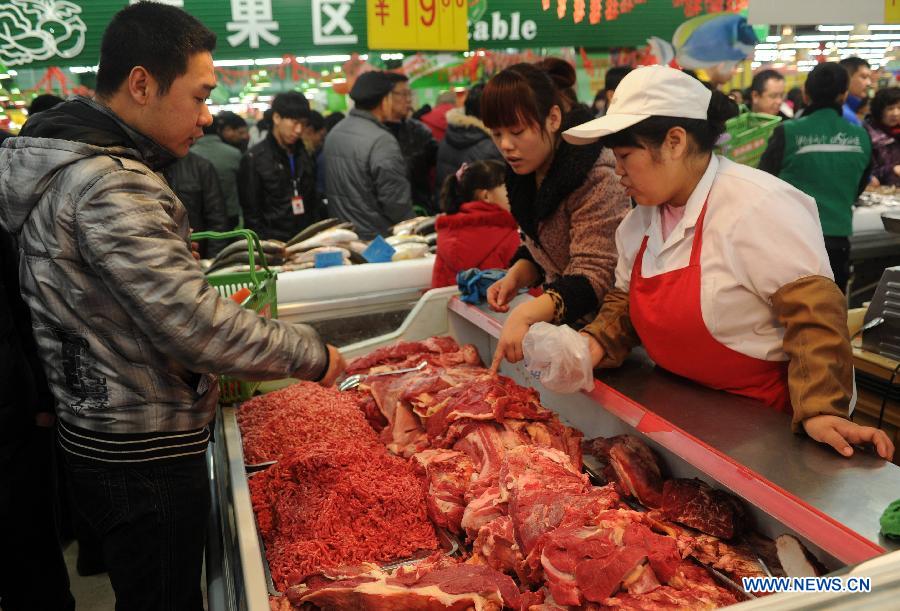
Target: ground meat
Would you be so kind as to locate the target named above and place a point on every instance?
(297, 416)
(330, 504)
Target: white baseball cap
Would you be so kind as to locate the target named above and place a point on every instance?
(646, 92)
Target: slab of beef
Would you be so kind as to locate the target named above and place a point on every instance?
(691, 588)
(695, 503)
(632, 465)
(591, 562)
(439, 587)
(447, 474)
(496, 546)
(441, 351)
(274, 423)
(331, 504)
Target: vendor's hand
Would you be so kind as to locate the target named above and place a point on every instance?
(840, 433)
(510, 345)
(336, 366)
(597, 352)
(502, 292)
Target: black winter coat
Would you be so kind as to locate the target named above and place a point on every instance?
(465, 141)
(419, 150)
(266, 186)
(196, 183)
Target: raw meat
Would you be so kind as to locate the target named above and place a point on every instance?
(496, 546)
(300, 414)
(696, 504)
(332, 504)
(442, 351)
(448, 474)
(443, 586)
(631, 465)
(690, 589)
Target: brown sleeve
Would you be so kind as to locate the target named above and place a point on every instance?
(813, 312)
(612, 329)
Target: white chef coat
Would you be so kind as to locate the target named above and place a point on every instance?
(759, 234)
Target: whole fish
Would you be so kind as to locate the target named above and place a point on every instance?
(325, 238)
(410, 250)
(425, 227)
(406, 227)
(313, 229)
(270, 247)
(396, 240)
(310, 255)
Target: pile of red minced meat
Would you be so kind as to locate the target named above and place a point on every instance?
(336, 496)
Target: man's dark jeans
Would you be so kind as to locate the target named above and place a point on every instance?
(151, 521)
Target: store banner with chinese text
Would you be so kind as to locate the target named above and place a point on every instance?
(37, 34)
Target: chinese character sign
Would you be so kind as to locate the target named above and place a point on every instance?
(252, 20)
(426, 25)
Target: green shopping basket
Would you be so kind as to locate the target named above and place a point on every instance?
(750, 133)
(263, 299)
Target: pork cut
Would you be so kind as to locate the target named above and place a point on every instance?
(631, 465)
(695, 503)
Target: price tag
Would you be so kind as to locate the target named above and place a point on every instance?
(297, 205)
(892, 11)
(418, 25)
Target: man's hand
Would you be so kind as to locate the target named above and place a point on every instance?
(839, 433)
(336, 366)
(195, 250)
(597, 352)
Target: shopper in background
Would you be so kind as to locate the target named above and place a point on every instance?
(795, 100)
(416, 142)
(128, 331)
(226, 159)
(233, 130)
(834, 174)
(613, 77)
(365, 174)
(860, 73)
(314, 133)
(476, 228)
(767, 92)
(436, 118)
(466, 140)
(276, 179)
(722, 274)
(566, 199)
(330, 121)
(33, 573)
(259, 131)
(737, 96)
(43, 102)
(194, 180)
(883, 126)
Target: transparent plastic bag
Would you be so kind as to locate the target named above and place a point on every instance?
(558, 357)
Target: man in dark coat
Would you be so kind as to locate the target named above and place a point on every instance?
(277, 180)
(196, 183)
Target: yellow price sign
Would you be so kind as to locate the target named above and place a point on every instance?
(418, 25)
(892, 11)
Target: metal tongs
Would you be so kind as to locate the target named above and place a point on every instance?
(354, 380)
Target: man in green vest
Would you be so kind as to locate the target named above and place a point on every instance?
(827, 158)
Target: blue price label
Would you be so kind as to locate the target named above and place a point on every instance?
(329, 259)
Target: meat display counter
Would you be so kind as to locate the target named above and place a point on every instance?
(790, 484)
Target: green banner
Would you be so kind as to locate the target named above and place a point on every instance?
(40, 33)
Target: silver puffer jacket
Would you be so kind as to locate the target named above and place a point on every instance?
(128, 330)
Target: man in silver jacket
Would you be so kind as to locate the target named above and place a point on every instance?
(128, 331)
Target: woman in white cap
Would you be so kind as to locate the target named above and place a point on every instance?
(722, 272)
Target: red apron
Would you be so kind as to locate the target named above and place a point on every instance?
(665, 311)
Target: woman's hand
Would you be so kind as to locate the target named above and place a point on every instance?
(502, 292)
(597, 352)
(839, 433)
(510, 345)
(897, 170)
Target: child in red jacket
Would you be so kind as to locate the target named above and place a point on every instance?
(476, 229)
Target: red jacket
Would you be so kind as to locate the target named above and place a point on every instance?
(480, 235)
(436, 120)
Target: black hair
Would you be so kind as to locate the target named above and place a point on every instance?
(472, 105)
(396, 77)
(795, 97)
(884, 99)
(488, 174)
(43, 102)
(853, 64)
(291, 105)
(563, 75)
(614, 76)
(158, 37)
(520, 95)
(333, 119)
(826, 83)
(761, 78)
(265, 123)
(651, 132)
(316, 121)
(226, 118)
